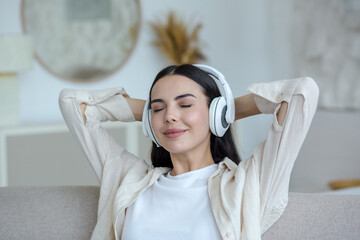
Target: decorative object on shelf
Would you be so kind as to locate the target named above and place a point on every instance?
(344, 183)
(82, 40)
(178, 43)
(326, 44)
(16, 54)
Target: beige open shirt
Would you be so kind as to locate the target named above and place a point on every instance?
(246, 199)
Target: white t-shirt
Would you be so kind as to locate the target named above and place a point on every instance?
(174, 207)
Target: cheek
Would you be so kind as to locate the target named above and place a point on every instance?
(198, 118)
(155, 123)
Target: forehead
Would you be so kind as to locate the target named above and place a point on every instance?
(174, 85)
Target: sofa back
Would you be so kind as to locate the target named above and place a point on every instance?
(70, 213)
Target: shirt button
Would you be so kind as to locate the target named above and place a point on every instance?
(278, 97)
(228, 234)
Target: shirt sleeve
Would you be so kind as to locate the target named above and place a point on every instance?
(102, 105)
(275, 157)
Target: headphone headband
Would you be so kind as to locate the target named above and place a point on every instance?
(230, 113)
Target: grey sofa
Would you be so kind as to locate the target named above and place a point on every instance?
(70, 213)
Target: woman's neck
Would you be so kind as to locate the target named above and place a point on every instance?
(190, 161)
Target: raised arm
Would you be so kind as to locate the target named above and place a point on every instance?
(293, 104)
(245, 106)
(83, 110)
(136, 105)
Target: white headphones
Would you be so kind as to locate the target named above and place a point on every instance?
(221, 111)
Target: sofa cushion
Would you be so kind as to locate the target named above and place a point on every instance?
(318, 216)
(48, 212)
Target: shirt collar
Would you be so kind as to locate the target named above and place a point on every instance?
(228, 163)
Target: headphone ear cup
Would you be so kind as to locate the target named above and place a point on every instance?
(217, 112)
(145, 121)
(150, 129)
(146, 124)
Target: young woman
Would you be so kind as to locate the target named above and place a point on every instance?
(197, 187)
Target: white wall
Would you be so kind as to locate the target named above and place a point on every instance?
(332, 147)
(39, 89)
(330, 152)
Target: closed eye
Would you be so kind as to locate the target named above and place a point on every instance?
(186, 106)
(158, 110)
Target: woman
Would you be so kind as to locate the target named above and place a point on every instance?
(196, 188)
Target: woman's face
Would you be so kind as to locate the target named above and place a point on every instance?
(180, 114)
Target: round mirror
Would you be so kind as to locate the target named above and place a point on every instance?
(82, 40)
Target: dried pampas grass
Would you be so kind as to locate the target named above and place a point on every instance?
(176, 43)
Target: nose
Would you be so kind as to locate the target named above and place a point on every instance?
(171, 115)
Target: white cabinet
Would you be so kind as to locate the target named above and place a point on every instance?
(48, 155)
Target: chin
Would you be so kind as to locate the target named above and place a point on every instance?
(174, 148)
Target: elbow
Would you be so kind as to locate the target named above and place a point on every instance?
(64, 101)
(311, 88)
(310, 91)
(63, 95)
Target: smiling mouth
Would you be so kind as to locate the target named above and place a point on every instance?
(174, 133)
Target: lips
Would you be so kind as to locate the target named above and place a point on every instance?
(174, 133)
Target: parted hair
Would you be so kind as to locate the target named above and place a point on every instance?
(221, 147)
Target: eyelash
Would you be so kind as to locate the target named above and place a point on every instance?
(186, 106)
(183, 106)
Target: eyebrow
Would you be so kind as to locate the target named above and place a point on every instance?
(176, 98)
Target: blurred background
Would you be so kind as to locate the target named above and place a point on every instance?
(46, 46)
